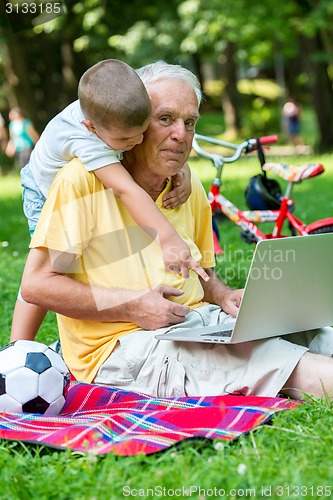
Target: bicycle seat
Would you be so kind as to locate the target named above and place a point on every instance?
(294, 173)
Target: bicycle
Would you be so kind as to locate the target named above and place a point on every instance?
(266, 201)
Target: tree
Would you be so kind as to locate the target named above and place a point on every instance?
(316, 41)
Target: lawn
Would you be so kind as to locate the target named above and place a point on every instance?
(289, 458)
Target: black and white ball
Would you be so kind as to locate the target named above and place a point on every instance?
(33, 378)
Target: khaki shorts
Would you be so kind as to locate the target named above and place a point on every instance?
(162, 368)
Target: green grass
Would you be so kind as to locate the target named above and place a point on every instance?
(14, 243)
(289, 458)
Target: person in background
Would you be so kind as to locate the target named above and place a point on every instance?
(22, 136)
(291, 112)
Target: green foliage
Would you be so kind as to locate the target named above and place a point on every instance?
(261, 117)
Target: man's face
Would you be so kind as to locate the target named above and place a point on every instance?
(168, 139)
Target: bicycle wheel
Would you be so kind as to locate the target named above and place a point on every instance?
(322, 230)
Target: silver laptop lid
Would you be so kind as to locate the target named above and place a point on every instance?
(290, 282)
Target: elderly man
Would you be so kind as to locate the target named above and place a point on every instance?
(105, 277)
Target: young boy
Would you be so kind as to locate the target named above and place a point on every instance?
(111, 116)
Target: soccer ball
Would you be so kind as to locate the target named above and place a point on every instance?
(33, 378)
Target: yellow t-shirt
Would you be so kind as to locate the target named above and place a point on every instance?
(84, 218)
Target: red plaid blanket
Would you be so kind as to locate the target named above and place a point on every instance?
(100, 419)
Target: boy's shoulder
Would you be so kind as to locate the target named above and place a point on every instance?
(71, 113)
(65, 125)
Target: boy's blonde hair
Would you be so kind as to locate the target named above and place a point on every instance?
(111, 93)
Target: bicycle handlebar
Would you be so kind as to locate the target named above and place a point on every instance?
(268, 139)
(246, 146)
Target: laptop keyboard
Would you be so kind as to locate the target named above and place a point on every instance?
(224, 333)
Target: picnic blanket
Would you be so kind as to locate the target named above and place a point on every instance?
(99, 419)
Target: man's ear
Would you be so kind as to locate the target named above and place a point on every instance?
(89, 126)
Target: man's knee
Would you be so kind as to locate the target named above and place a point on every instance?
(312, 376)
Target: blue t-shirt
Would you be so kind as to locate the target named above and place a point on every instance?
(19, 135)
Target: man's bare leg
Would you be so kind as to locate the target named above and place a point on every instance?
(313, 376)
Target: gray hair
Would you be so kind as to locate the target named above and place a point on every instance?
(150, 73)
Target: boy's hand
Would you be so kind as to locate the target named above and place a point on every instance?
(181, 188)
(178, 259)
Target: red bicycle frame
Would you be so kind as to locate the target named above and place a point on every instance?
(247, 220)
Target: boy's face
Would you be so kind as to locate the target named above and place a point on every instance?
(119, 138)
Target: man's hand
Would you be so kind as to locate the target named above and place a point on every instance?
(231, 301)
(153, 310)
(222, 295)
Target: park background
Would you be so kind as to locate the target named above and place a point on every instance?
(249, 56)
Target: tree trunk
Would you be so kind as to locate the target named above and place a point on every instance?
(17, 73)
(50, 79)
(69, 78)
(231, 97)
(196, 59)
(321, 90)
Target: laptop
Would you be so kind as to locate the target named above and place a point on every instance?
(289, 288)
